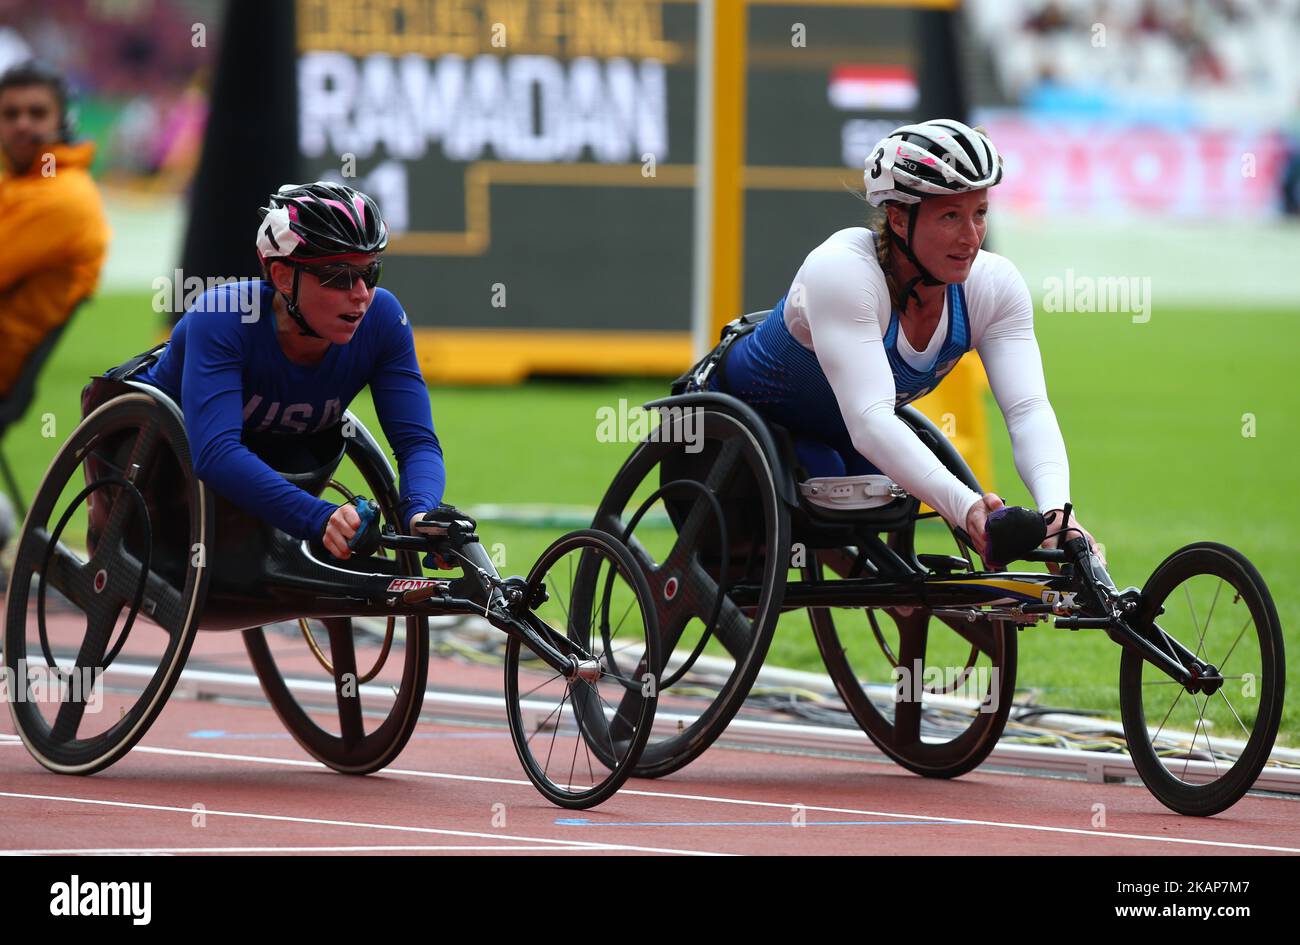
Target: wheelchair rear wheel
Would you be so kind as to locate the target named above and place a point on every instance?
(932, 693)
(700, 521)
(353, 703)
(107, 587)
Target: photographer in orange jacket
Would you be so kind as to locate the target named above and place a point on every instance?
(53, 233)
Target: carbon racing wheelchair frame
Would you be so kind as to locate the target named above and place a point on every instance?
(98, 632)
(922, 646)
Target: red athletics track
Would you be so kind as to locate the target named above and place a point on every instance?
(261, 794)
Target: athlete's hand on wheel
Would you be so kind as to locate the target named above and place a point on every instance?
(976, 520)
(1054, 538)
(340, 528)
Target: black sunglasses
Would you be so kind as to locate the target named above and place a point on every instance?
(339, 276)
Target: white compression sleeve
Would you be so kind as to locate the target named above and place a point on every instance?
(1014, 365)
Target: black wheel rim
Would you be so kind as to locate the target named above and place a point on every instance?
(1200, 752)
(579, 736)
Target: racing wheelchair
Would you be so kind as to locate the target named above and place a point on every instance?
(922, 647)
(96, 639)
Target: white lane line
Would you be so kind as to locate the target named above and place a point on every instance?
(397, 848)
(710, 799)
(546, 842)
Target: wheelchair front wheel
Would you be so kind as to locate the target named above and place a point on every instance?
(1199, 753)
(580, 734)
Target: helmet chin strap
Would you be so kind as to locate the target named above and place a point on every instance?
(291, 304)
(924, 275)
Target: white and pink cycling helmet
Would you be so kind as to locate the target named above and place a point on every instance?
(930, 159)
(313, 223)
(935, 157)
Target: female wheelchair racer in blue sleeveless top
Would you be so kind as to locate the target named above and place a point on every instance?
(873, 321)
(288, 353)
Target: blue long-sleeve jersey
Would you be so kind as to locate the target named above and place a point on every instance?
(225, 367)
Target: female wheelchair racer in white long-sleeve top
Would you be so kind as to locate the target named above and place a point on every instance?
(853, 339)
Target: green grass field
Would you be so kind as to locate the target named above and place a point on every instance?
(1156, 417)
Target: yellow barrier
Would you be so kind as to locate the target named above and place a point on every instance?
(957, 407)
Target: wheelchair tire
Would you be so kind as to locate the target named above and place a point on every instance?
(136, 438)
(860, 661)
(601, 604)
(352, 750)
(1196, 585)
(734, 468)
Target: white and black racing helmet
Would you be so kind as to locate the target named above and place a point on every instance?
(305, 223)
(929, 159)
(932, 158)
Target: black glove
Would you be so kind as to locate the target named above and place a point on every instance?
(452, 526)
(445, 520)
(1013, 532)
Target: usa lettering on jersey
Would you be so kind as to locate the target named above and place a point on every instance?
(294, 418)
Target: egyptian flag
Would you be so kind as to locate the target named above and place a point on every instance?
(866, 88)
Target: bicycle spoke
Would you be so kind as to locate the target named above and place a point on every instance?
(733, 629)
(68, 573)
(616, 526)
(162, 603)
(608, 656)
(609, 738)
(1175, 682)
(687, 543)
(630, 605)
(1208, 617)
(568, 622)
(559, 720)
(1235, 715)
(1240, 634)
(577, 739)
(1187, 592)
(1200, 719)
(142, 451)
(586, 727)
(639, 552)
(913, 636)
(1167, 714)
(544, 682)
(542, 723)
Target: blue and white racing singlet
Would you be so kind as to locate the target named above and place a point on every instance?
(774, 373)
(913, 384)
(832, 365)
